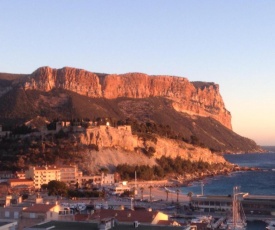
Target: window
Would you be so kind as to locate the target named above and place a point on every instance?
(7, 214)
(32, 215)
(16, 215)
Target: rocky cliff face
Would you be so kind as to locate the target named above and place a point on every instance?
(197, 98)
(117, 141)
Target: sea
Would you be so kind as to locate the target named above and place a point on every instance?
(253, 182)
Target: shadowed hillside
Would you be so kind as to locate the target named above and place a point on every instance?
(19, 105)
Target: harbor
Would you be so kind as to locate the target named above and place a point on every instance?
(203, 211)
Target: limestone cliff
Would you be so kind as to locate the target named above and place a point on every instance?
(114, 141)
(197, 98)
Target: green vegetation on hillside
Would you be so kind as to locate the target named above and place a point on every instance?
(167, 167)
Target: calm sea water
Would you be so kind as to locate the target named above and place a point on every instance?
(254, 182)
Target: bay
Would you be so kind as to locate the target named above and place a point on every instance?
(253, 182)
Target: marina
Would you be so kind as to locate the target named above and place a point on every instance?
(257, 188)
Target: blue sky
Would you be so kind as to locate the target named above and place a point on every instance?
(231, 43)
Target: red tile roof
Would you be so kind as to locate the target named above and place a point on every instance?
(81, 217)
(42, 208)
(20, 180)
(142, 216)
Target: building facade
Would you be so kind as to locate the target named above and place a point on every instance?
(69, 174)
(43, 175)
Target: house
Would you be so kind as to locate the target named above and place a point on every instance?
(6, 175)
(20, 174)
(37, 213)
(62, 125)
(5, 201)
(129, 216)
(107, 179)
(88, 181)
(10, 213)
(20, 183)
(64, 225)
(109, 223)
(69, 174)
(42, 212)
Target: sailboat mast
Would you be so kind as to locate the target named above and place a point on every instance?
(234, 204)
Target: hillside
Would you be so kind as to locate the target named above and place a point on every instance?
(189, 109)
(100, 147)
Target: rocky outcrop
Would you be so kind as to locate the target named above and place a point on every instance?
(195, 98)
(105, 137)
(108, 137)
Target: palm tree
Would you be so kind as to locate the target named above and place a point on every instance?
(141, 190)
(167, 194)
(177, 191)
(190, 194)
(150, 187)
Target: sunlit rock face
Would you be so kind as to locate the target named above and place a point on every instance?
(194, 98)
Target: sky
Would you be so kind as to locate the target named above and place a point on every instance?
(229, 42)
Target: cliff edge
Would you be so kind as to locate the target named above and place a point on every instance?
(194, 98)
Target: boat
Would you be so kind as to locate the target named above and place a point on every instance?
(201, 219)
(237, 221)
(271, 225)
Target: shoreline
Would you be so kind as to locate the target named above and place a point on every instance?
(158, 186)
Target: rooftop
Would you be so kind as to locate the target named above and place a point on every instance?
(4, 223)
(61, 225)
(20, 180)
(39, 208)
(142, 216)
(259, 197)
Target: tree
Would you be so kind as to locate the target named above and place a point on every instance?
(150, 187)
(190, 194)
(103, 170)
(177, 191)
(141, 190)
(167, 194)
(44, 187)
(194, 140)
(57, 188)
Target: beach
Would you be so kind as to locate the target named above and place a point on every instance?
(163, 190)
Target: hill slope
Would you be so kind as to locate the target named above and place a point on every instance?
(189, 109)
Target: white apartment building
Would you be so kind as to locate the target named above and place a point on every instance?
(68, 174)
(43, 175)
